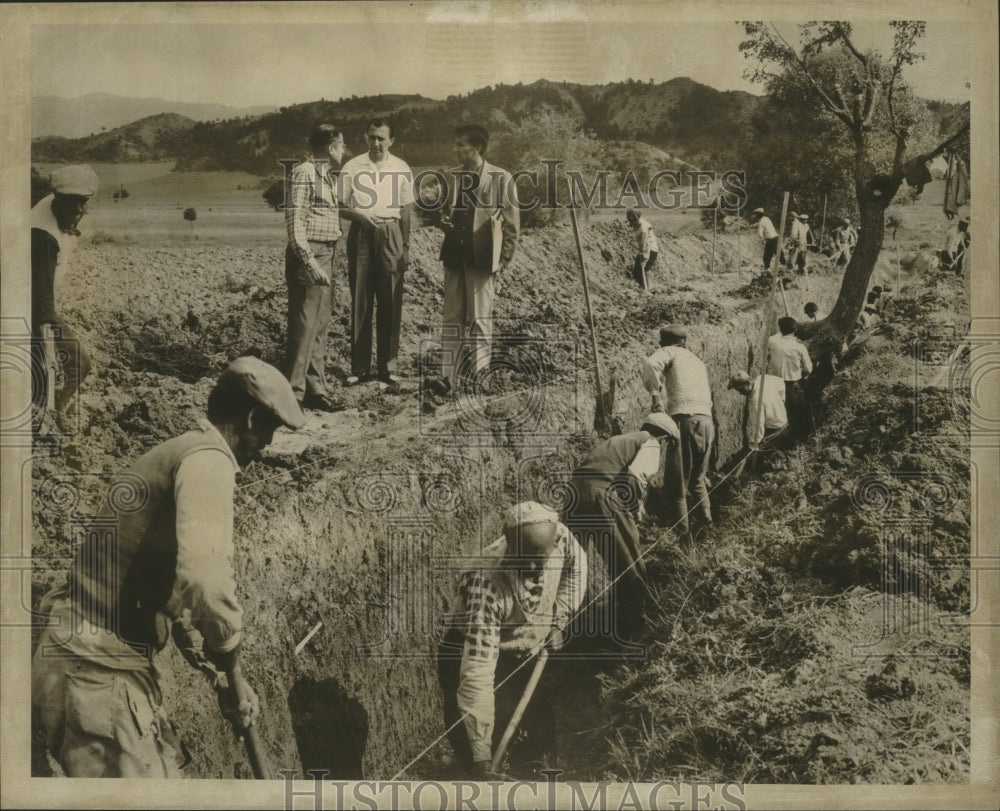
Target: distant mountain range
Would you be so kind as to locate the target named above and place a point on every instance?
(692, 122)
(96, 112)
(674, 124)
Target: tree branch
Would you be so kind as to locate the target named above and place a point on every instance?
(944, 145)
(839, 110)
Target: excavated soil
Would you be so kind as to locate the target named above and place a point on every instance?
(355, 520)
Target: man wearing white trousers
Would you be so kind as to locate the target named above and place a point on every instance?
(481, 222)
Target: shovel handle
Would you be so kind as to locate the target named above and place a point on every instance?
(522, 705)
(260, 763)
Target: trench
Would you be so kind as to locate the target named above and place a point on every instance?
(362, 526)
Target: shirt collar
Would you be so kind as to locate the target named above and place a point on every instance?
(206, 427)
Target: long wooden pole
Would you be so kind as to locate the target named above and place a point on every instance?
(767, 332)
(739, 240)
(522, 705)
(822, 227)
(715, 231)
(784, 301)
(601, 415)
(898, 269)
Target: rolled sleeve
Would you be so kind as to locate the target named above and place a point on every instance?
(646, 462)
(479, 662)
(573, 583)
(652, 369)
(296, 213)
(203, 496)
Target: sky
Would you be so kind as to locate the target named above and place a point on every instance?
(250, 63)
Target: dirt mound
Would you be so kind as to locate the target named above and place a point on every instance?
(354, 519)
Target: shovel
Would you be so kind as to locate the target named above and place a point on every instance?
(522, 705)
(260, 763)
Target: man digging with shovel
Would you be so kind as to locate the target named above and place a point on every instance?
(157, 563)
(517, 603)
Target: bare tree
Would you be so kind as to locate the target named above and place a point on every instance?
(864, 92)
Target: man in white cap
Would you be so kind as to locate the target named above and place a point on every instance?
(54, 233)
(609, 488)
(773, 417)
(521, 598)
(678, 382)
(801, 238)
(647, 248)
(159, 565)
(768, 234)
(844, 239)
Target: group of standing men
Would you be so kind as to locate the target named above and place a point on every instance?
(374, 192)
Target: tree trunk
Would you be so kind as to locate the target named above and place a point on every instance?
(873, 199)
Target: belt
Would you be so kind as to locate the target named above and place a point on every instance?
(687, 416)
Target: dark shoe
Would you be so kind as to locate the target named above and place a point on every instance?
(389, 379)
(319, 402)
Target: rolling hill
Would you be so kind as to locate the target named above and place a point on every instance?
(690, 121)
(94, 112)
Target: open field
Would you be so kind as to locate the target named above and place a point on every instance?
(756, 628)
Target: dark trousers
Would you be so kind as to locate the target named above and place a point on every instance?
(72, 361)
(797, 406)
(309, 309)
(686, 471)
(376, 263)
(641, 272)
(538, 720)
(770, 249)
(600, 518)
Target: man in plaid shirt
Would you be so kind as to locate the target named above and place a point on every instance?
(519, 600)
(312, 219)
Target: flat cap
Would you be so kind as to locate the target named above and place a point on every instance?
(793, 215)
(757, 211)
(803, 217)
(528, 512)
(76, 180)
(266, 385)
(738, 378)
(673, 332)
(658, 419)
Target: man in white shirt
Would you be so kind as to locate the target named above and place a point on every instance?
(788, 358)
(802, 239)
(674, 373)
(647, 247)
(377, 197)
(767, 232)
(773, 416)
(844, 240)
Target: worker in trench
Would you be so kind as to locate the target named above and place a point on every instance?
(157, 563)
(677, 381)
(517, 600)
(607, 493)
